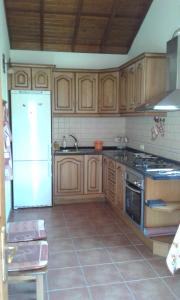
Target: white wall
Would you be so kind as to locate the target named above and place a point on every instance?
(162, 19)
(87, 130)
(4, 49)
(68, 59)
(158, 27)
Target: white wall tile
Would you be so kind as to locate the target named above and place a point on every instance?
(87, 130)
(138, 130)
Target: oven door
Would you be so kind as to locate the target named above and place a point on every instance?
(134, 203)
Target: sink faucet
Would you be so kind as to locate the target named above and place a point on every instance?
(75, 141)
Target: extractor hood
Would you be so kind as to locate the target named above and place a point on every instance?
(170, 100)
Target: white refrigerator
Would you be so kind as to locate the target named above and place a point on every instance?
(31, 148)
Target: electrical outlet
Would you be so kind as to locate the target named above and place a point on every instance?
(141, 147)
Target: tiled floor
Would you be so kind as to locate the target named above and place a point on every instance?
(93, 255)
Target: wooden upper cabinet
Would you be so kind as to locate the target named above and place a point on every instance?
(21, 78)
(142, 80)
(86, 93)
(108, 92)
(93, 174)
(123, 88)
(68, 175)
(41, 79)
(30, 78)
(139, 83)
(131, 88)
(64, 92)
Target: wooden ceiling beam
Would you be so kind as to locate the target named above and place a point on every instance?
(41, 24)
(77, 23)
(109, 25)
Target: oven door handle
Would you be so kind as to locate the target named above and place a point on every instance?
(132, 189)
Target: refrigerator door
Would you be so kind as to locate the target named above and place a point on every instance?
(31, 125)
(32, 185)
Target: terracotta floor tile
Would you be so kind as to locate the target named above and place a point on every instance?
(111, 292)
(124, 253)
(63, 259)
(136, 270)
(174, 283)
(150, 289)
(82, 231)
(133, 238)
(92, 257)
(115, 240)
(71, 294)
(57, 232)
(145, 251)
(109, 228)
(88, 243)
(159, 265)
(101, 274)
(60, 244)
(65, 278)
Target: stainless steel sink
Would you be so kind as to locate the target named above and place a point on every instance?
(74, 151)
(69, 151)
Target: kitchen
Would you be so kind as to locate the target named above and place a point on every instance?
(137, 129)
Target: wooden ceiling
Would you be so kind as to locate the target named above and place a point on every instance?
(95, 26)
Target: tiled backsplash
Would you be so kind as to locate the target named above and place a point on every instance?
(88, 129)
(138, 130)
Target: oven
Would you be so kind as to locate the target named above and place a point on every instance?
(134, 196)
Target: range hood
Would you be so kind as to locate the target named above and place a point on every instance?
(170, 100)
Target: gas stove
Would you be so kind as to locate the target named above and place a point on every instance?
(149, 163)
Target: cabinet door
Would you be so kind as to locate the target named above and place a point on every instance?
(123, 90)
(64, 92)
(111, 193)
(21, 78)
(120, 169)
(131, 87)
(105, 176)
(139, 83)
(86, 92)
(108, 92)
(41, 79)
(68, 175)
(93, 174)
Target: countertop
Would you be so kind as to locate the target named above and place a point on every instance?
(126, 157)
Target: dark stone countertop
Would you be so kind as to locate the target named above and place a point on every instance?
(126, 157)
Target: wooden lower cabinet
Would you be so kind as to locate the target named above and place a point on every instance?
(77, 176)
(93, 174)
(105, 175)
(168, 190)
(68, 175)
(120, 173)
(111, 174)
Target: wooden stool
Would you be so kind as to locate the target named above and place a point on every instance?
(24, 231)
(29, 263)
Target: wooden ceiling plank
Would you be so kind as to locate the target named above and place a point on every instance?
(77, 23)
(109, 25)
(41, 25)
(84, 14)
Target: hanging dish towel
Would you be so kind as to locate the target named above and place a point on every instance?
(173, 258)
